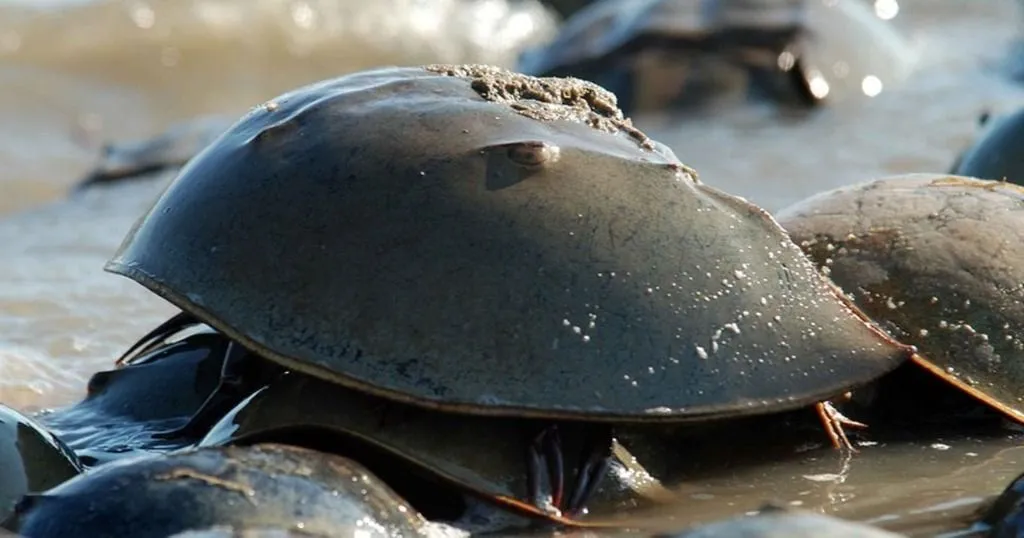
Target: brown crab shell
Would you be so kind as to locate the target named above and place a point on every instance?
(938, 261)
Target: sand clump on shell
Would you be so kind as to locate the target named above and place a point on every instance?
(548, 98)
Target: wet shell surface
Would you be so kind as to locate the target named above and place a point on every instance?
(125, 406)
(31, 459)
(467, 238)
(264, 486)
(939, 261)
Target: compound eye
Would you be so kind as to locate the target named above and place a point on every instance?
(532, 154)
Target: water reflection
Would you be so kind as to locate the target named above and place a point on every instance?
(886, 9)
(857, 49)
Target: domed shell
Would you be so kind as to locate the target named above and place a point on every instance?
(472, 239)
(265, 486)
(938, 260)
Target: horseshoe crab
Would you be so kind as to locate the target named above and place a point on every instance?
(127, 409)
(169, 149)
(265, 486)
(657, 53)
(461, 460)
(996, 154)
(938, 261)
(479, 454)
(31, 459)
(477, 241)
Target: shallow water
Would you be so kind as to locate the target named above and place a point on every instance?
(82, 72)
(126, 68)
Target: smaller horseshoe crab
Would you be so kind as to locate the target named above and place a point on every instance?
(128, 409)
(265, 486)
(170, 149)
(480, 455)
(481, 242)
(467, 459)
(996, 154)
(31, 459)
(938, 261)
(658, 53)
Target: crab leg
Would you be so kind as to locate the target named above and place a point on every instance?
(593, 467)
(545, 461)
(834, 421)
(224, 395)
(176, 323)
(544, 457)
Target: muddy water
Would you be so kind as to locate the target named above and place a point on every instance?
(75, 73)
